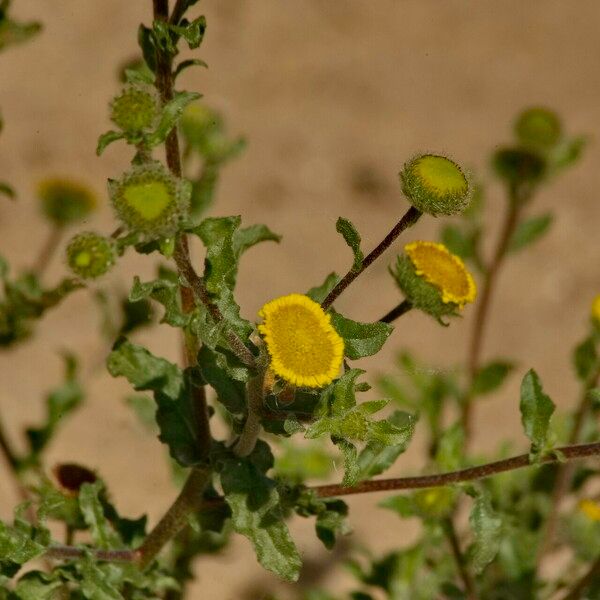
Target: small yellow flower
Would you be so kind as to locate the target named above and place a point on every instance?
(590, 509)
(304, 347)
(596, 308)
(446, 271)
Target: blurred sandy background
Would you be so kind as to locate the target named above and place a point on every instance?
(324, 90)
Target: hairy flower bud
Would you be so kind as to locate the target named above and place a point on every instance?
(134, 110)
(538, 127)
(433, 279)
(435, 185)
(65, 201)
(90, 255)
(150, 201)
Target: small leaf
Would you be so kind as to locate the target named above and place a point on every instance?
(536, 410)
(351, 466)
(192, 32)
(585, 358)
(7, 190)
(529, 231)
(319, 293)
(257, 515)
(108, 138)
(245, 238)
(490, 377)
(487, 529)
(92, 510)
(186, 64)
(352, 238)
(361, 339)
(171, 113)
(458, 242)
(230, 393)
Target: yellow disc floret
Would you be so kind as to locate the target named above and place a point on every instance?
(590, 509)
(446, 271)
(304, 347)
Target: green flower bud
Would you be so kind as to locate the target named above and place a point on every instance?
(90, 255)
(435, 185)
(519, 165)
(434, 503)
(150, 201)
(538, 127)
(134, 110)
(198, 122)
(65, 201)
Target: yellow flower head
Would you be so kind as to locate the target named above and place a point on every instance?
(446, 271)
(304, 347)
(596, 308)
(590, 509)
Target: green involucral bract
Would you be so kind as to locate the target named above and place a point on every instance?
(150, 201)
(90, 255)
(435, 185)
(421, 294)
(134, 110)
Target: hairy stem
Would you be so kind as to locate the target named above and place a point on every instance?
(459, 559)
(411, 216)
(249, 436)
(564, 473)
(48, 250)
(175, 519)
(470, 474)
(191, 498)
(397, 312)
(578, 590)
(483, 305)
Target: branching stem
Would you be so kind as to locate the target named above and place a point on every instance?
(411, 216)
(190, 498)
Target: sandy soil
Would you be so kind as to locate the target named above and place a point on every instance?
(324, 91)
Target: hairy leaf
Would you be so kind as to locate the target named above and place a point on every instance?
(490, 377)
(319, 293)
(585, 358)
(171, 113)
(487, 530)
(536, 410)
(361, 339)
(92, 510)
(106, 139)
(352, 238)
(529, 231)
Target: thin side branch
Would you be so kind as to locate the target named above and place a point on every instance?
(411, 216)
(459, 559)
(48, 250)
(397, 312)
(578, 590)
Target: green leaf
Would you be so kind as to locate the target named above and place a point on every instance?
(458, 242)
(171, 113)
(144, 370)
(14, 32)
(585, 358)
(165, 292)
(490, 377)
(245, 238)
(20, 543)
(377, 457)
(256, 514)
(59, 404)
(536, 410)
(487, 529)
(230, 393)
(146, 44)
(103, 535)
(529, 231)
(192, 32)
(186, 64)
(351, 466)
(173, 392)
(95, 584)
(352, 238)
(319, 293)
(7, 190)
(37, 585)
(361, 339)
(108, 138)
